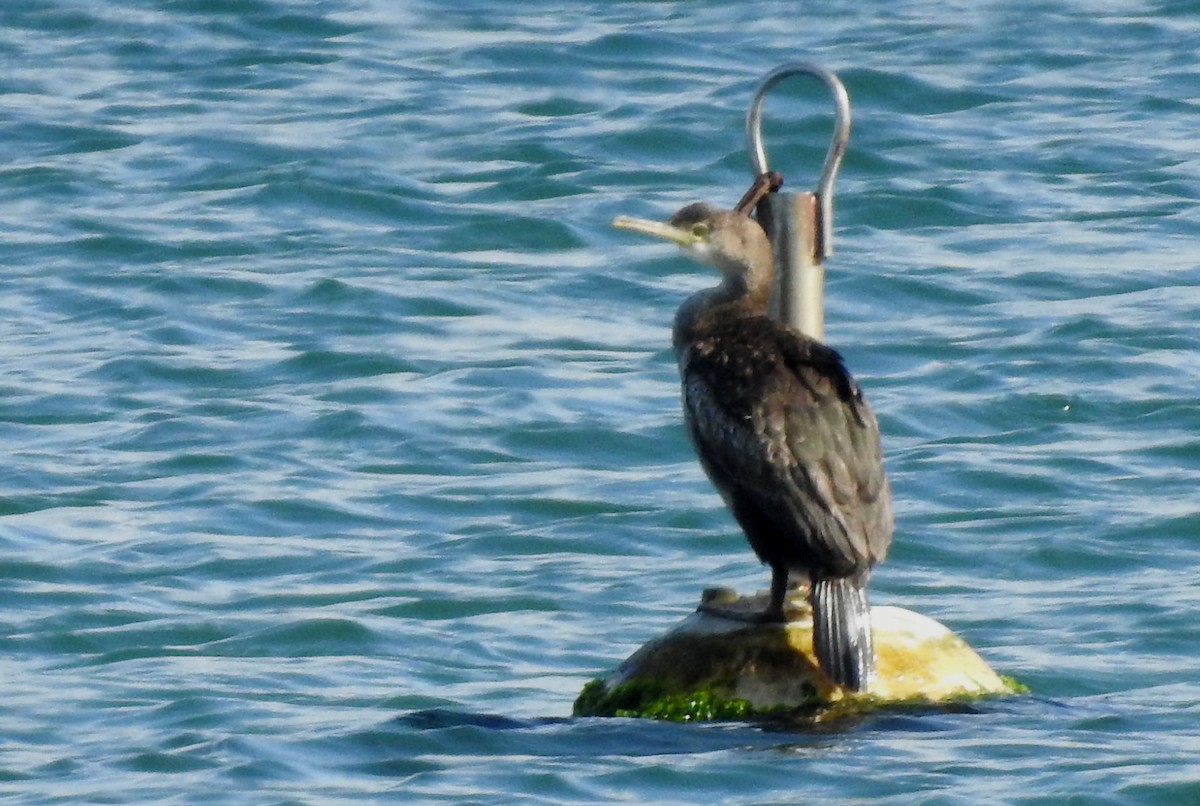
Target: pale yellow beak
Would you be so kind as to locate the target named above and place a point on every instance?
(657, 229)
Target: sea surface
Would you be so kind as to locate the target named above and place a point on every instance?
(341, 433)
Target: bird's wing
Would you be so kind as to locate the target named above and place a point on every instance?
(785, 435)
(833, 437)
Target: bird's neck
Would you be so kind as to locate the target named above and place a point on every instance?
(744, 294)
(733, 299)
(746, 282)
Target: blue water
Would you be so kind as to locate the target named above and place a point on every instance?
(342, 440)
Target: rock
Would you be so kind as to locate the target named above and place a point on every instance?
(710, 667)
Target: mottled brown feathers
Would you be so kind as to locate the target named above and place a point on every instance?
(784, 433)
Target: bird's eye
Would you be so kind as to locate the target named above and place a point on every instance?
(700, 229)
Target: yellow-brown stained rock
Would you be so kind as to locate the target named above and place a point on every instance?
(772, 666)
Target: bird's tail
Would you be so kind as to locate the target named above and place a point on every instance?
(842, 631)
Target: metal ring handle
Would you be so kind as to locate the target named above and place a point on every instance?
(841, 126)
(837, 145)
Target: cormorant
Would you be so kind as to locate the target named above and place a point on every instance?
(785, 435)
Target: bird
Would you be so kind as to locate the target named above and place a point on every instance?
(786, 436)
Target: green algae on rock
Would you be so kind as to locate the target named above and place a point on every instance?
(650, 700)
(713, 668)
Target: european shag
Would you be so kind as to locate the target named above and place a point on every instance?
(785, 434)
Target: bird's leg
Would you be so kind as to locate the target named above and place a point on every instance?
(713, 605)
(779, 588)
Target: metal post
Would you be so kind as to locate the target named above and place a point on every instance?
(798, 296)
(800, 225)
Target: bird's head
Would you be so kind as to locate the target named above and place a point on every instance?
(732, 242)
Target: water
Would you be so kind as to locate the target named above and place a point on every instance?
(342, 434)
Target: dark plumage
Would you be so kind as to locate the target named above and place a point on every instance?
(785, 435)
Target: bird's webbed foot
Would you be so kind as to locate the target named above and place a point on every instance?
(768, 616)
(725, 603)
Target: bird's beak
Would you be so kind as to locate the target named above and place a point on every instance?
(656, 229)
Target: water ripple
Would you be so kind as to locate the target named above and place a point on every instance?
(343, 432)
